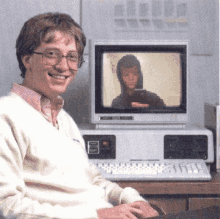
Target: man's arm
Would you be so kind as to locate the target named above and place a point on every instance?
(13, 198)
(126, 201)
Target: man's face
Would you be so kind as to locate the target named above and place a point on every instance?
(130, 77)
(50, 80)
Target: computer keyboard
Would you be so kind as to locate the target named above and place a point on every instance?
(155, 171)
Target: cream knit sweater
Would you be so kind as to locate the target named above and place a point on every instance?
(45, 171)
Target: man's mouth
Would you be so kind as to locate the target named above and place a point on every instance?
(131, 84)
(61, 77)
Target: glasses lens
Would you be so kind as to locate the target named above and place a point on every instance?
(51, 57)
(72, 65)
(73, 60)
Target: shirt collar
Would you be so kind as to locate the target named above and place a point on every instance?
(38, 101)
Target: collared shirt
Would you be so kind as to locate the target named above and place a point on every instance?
(49, 108)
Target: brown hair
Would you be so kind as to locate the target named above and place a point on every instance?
(36, 28)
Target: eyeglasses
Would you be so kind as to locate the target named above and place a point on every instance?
(53, 57)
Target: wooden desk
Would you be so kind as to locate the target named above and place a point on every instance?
(177, 196)
(181, 187)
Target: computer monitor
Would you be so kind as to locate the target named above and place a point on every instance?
(139, 83)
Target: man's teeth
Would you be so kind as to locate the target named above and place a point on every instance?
(58, 76)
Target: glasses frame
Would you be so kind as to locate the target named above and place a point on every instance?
(80, 61)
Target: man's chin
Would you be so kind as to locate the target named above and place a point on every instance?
(55, 92)
(131, 87)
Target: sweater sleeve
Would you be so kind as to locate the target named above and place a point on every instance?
(114, 193)
(13, 199)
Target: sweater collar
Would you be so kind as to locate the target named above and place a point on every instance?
(49, 108)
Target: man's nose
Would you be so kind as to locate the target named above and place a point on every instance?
(131, 76)
(62, 65)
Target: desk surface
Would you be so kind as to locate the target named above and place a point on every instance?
(172, 187)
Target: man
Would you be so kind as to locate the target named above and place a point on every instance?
(44, 170)
(131, 78)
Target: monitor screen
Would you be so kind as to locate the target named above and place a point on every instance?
(139, 82)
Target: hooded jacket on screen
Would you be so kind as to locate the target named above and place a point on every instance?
(123, 101)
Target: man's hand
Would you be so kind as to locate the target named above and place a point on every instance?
(147, 210)
(135, 210)
(136, 104)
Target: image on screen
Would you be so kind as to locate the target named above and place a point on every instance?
(159, 76)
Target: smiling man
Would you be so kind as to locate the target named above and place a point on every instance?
(44, 170)
(48, 73)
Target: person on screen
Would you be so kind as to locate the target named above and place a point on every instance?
(45, 171)
(132, 92)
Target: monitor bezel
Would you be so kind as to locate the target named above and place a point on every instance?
(159, 115)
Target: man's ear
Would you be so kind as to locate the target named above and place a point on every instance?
(26, 61)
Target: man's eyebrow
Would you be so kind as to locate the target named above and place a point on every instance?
(55, 48)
